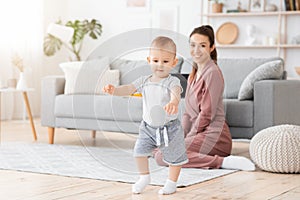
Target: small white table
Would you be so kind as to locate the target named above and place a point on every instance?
(26, 101)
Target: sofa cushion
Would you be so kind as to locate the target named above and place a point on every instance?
(239, 113)
(99, 107)
(109, 77)
(236, 70)
(177, 68)
(269, 70)
(186, 67)
(88, 77)
(119, 108)
(130, 70)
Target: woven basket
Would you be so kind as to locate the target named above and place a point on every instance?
(277, 149)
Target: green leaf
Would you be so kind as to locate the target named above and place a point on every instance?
(79, 31)
(92, 28)
(51, 45)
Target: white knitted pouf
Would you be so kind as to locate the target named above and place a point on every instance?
(277, 149)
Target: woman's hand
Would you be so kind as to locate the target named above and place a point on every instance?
(171, 108)
(110, 89)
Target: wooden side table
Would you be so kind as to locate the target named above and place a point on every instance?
(26, 101)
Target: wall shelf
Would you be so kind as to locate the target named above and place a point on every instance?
(247, 14)
(258, 46)
(289, 46)
(233, 46)
(282, 29)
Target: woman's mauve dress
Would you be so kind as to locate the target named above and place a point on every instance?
(207, 136)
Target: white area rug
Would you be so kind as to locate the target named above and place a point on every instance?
(107, 164)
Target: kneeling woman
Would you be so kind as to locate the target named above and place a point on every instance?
(207, 136)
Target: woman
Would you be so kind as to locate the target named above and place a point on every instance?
(207, 136)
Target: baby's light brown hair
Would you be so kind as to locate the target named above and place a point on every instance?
(164, 43)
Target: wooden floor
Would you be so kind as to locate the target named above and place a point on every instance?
(31, 186)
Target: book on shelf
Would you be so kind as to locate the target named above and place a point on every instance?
(233, 11)
(287, 5)
(292, 5)
(236, 11)
(297, 3)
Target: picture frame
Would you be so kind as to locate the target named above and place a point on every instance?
(138, 5)
(166, 18)
(257, 6)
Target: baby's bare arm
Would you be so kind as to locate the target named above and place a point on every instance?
(123, 90)
(172, 107)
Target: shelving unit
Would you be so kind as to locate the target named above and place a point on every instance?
(245, 14)
(281, 31)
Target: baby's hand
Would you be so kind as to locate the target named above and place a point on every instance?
(171, 108)
(108, 89)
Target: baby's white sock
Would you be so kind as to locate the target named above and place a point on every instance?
(140, 185)
(238, 162)
(169, 187)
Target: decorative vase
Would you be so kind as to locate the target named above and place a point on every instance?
(22, 83)
(217, 7)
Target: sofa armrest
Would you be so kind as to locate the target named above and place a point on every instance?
(276, 102)
(51, 86)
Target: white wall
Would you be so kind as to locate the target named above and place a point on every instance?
(54, 10)
(22, 35)
(115, 18)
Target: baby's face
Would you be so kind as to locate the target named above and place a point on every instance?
(161, 62)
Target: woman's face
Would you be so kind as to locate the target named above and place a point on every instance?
(200, 48)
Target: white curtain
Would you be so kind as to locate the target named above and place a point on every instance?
(21, 29)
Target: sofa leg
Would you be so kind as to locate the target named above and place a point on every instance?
(51, 135)
(93, 134)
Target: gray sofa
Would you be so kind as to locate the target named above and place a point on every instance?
(275, 101)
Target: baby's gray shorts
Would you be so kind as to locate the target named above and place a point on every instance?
(173, 154)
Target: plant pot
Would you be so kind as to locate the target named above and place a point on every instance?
(12, 83)
(217, 8)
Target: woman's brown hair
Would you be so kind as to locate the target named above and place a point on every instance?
(208, 31)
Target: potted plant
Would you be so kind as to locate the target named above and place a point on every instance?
(217, 6)
(83, 28)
